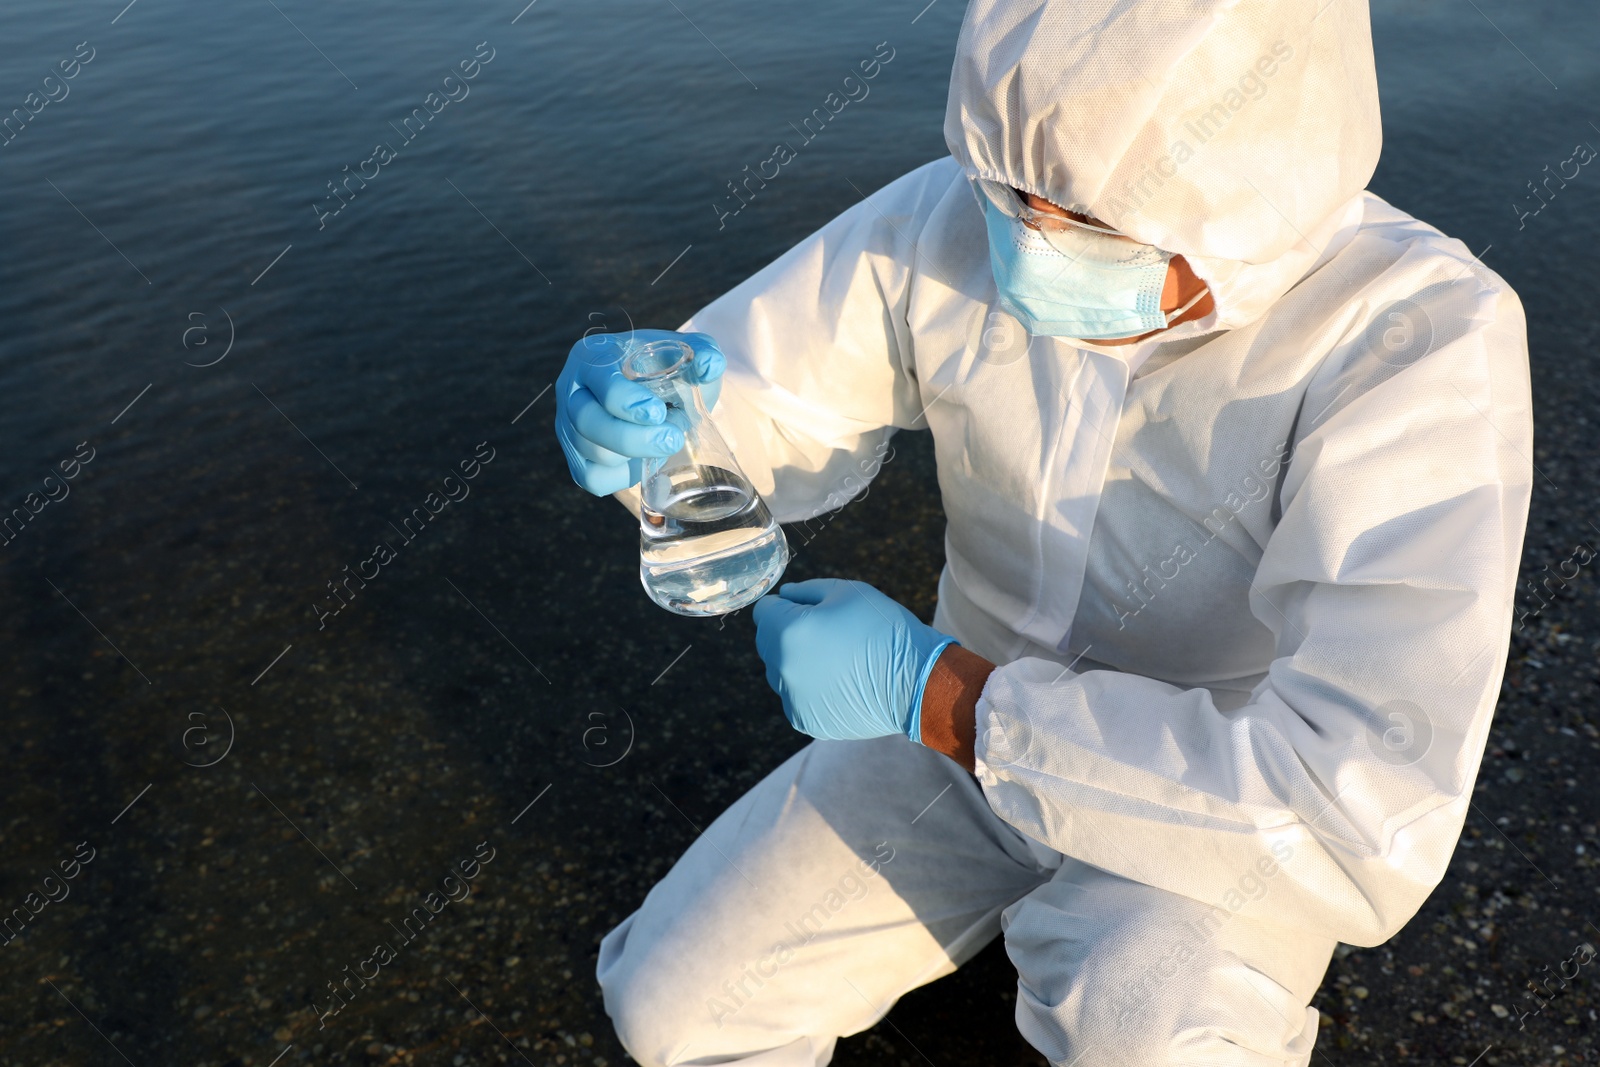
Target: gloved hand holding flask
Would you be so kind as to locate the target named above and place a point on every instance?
(607, 424)
(634, 409)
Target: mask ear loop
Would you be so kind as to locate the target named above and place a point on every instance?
(1179, 313)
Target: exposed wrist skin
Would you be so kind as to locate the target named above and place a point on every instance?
(950, 704)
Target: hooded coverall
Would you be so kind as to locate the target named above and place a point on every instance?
(1248, 583)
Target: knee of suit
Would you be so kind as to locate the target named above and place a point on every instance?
(1089, 998)
(665, 1021)
(1136, 988)
(634, 995)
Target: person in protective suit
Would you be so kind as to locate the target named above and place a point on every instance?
(1235, 462)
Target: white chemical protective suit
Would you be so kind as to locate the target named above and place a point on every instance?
(1249, 583)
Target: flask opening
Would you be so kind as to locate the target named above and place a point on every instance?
(656, 360)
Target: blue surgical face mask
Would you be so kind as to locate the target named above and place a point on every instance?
(1077, 283)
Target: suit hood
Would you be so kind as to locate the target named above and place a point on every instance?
(1237, 133)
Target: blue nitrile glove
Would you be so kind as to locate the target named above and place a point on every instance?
(849, 663)
(607, 424)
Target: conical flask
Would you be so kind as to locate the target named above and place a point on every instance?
(708, 544)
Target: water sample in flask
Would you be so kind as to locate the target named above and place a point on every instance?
(708, 544)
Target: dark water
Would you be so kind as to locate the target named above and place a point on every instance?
(175, 199)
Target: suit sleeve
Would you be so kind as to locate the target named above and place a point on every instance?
(820, 362)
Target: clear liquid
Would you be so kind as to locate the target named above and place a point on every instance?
(709, 545)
